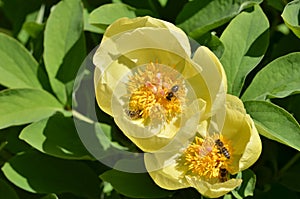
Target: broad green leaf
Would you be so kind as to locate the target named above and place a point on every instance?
(22, 106)
(213, 43)
(248, 185)
(90, 27)
(6, 191)
(56, 136)
(39, 173)
(290, 16)
(63, 28)
(274, 123)
(278, 79)
(246, 40)
(72, 61)
(108, 13)
(201, 16)
(18, 69)
(135, 185)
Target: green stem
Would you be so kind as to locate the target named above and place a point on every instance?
(2, 145)
(288, 164)
(82, 117)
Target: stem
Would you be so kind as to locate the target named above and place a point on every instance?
(289, 164)
(82, 117)
(2, 145)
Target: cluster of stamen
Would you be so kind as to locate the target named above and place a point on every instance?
(205, 159)
(151, 95)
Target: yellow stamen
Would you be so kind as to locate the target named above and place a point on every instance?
(203, 158)
(151, 94)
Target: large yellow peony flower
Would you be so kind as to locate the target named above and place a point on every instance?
(208, 161)
(155, 84)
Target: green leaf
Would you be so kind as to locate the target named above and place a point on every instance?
(39, 173)
(278, 79)
(200, 16)
(22, 106)
(90, 27)
(290, 16)
(18, 69)
(248, 185)
(56, 136)
(50, 196)
(63, 29)
(33, 28)
(246, 40)
(108, 13)
(213, 43)
(135, 185)
(6, 191)
(274, 123)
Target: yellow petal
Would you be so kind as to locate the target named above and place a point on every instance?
(163, 172)
(213, 190)
(212, 86)
(239, 129)
(126, 25)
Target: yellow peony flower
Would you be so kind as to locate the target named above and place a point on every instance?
(153, 84)
(208, 161)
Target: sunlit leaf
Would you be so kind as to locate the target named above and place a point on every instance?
(90, 27)
(22, 106)
(63, 28)
(245, 40)
(18, 69)
(291, 18)
(275, 123)
(278, 79)
(135, 185)
(200, 16)
(108, 13)
(39, 173)
(56, 136)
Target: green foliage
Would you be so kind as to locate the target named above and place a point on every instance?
(22, 106)
(17, 73)
(250, 31)
(141, 185)
(274, 122)
(290, 16)
(199, 17)
(44, 43)
(278, 79)
(38, 173)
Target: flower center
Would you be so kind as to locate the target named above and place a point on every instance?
(208, 158)
(157, 92)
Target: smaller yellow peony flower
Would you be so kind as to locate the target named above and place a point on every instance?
(208, 162)
(149, 80)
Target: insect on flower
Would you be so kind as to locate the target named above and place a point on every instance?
(171, 93)
(222, 148)
(223, 175)
(133, 114)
